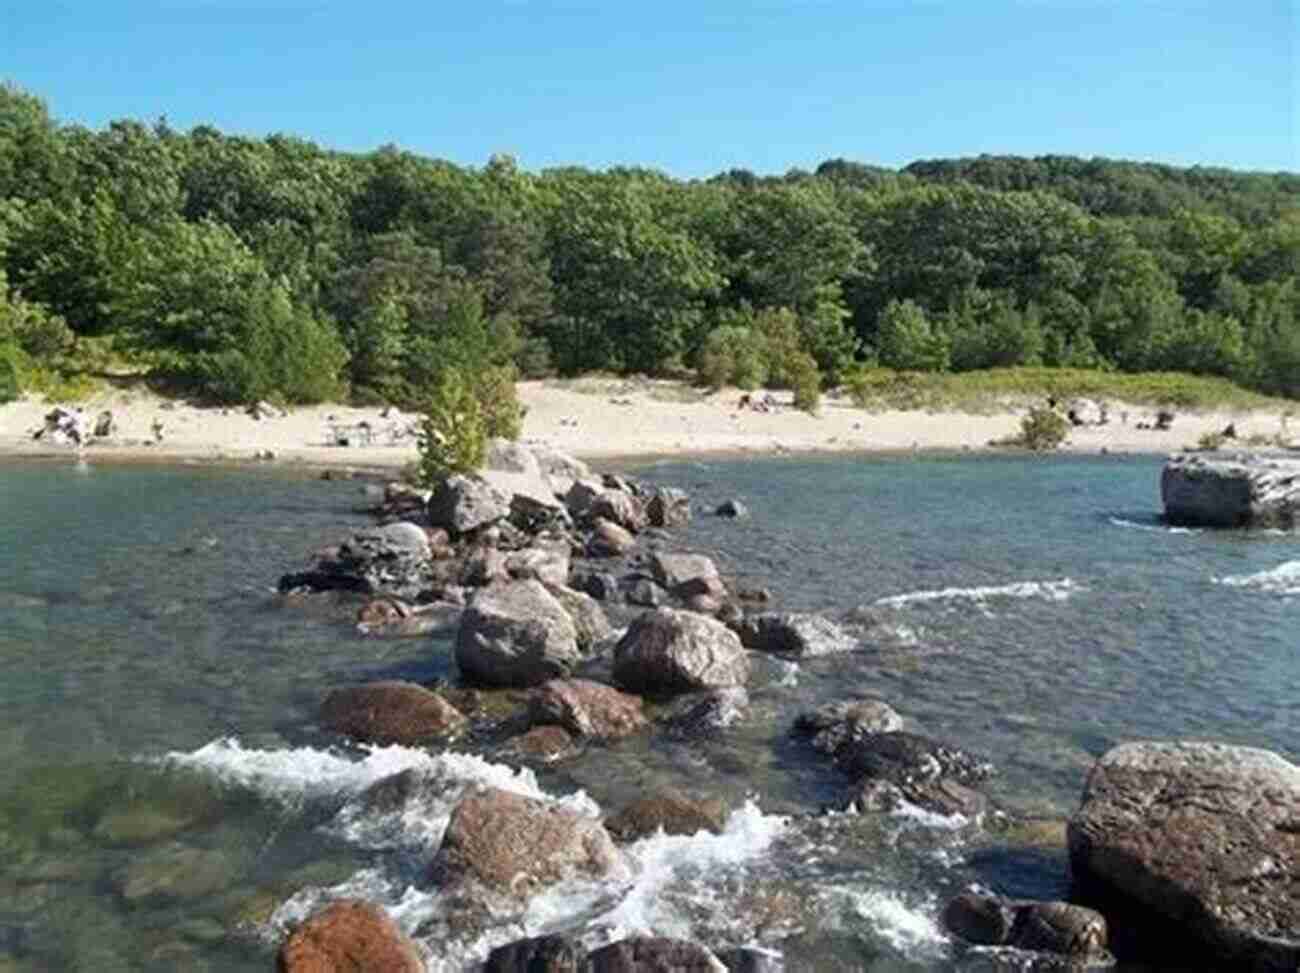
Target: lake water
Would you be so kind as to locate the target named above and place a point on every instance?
(167, 800)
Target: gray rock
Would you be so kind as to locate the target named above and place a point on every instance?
(600, 585)
(395, 560)
(701, 717)
(668, 651)
(543, 954)
(686, 575)
(589, 619)
(560, 469)
(533, 504)
(608, 539)
(549, 564)
(834, 724)
(461, 504)
(621, 508)
(639, 590)
(1052, 927)
(731, 508)
(482, 566)
(904, 758)
(793, 633)
(749, 959)
(668, 507)
(516, 634)
(508, 456)
(581, 495)
(1245, 490)
(654, 954)
(105, 426)
(1203, 835)
(174, 873)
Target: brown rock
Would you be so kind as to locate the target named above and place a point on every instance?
(349, 937)
(587, 708)
(673, 812)
(653, 954)
(390, 712)
(546, 744)
(622, 508)
(608, 539)
(667, 651)
(513, 844)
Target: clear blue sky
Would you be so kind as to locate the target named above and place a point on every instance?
(690, 88)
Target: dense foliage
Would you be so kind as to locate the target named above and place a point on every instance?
(245, 268)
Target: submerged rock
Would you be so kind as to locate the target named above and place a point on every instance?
(1202, 835)
(390, 712)
(832, 725)
(174, 873)
(654, 954)
(516, 634)
(671, 812)
(1246, 490)
(699, 717)
(587, 708)
(1059, 928)
(669, 651)
(794, 633)
(349, 936)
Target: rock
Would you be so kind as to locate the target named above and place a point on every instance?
(349, 937)
(391, 712)
(1052, 927)
(1247, 490)
(669, 651)
(750, 959)
(516, 634)
(560, 469)
(173, 873)
(401, 501)
(507, 456)
(671, 812)
(105, 426)
(620, 484)
(668, 507)
(264, 410)
(654, 954)
(1201, 835)
(580, 497)
(754, 594)
(394, 561)
(483, 566)
(686, 575)
(620, 508)
(703, 715)
(533, 505)
(985, 920)
(608, 539)
(703, 605)
(460, 504)
(544, 954)
(587, 708)
(600, 585)
(794, 633)
(542, 743)
(589, 621)
(548, 564)
(637, 589)
(938, 795)
(905, 758)
(731, 508)
(835, 724)
(517, 845)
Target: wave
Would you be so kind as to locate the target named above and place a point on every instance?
(1049, 590)
(1281, 580)
(1157, 528)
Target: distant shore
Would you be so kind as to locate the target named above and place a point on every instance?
(593, 419)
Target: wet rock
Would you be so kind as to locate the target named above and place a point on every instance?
(608, 539)
(516, 634)
(460, 504)
(1203, 836)
(754, 594)
(544, 954)
(600, 585)
(747, 959)
(391, 712)
(589, 621)
(669, 651)
(620, 508)
(173, 873)
(937, 795)
(639, 590)
(587, 708)
(685, 575)
(349, 937)
(654, 954)
(702, 715)
(704, 605)
(668, 507)
(394, 560)
(733, 509)
(544, 744)
(516, 845)
(904, 758)
(985, 919)
(671, 812)
(1245, 490)
(832, 725)
(793, 633)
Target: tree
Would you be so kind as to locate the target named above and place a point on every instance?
(907, 341)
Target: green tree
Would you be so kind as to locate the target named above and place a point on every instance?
(907, 341)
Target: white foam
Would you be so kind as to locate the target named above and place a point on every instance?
(909, 929)
(1157, 528)
(1281, 580)
(1050, 590)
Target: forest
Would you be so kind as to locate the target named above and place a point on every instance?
(234, 269)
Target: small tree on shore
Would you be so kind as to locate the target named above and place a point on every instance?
(465, 410)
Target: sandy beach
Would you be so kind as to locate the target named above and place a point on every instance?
(594, 419)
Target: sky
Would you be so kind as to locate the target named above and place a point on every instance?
(690, 88)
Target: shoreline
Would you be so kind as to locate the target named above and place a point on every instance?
(621, 423)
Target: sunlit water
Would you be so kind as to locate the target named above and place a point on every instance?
(168, 802)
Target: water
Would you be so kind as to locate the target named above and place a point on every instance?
(168, 802)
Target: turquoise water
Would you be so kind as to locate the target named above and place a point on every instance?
(167, 801)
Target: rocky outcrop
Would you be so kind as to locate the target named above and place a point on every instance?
(670, 812)
(516, 634)
(390, 712)
(1203, 836)
(516, 845)
(638, 589)
(686, 575)
(1245, 490)
(587, 708)
(395, 560)
(985, 919)
(460, 504)
(669, 651)
(349, 936)
(654, 954)
(793, 633)
(893, 768)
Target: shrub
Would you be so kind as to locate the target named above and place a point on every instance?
(805, 380)
(1210, 441)
(9, 385)
(1042, 429)
(463, 411)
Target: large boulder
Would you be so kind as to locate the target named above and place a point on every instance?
(794, 633)
(541, 954)
(508, 456)
(533, 504)
(587, 708)
(654, 954)
(1201, 835)
(669, 651)
(516, 634)
(515, 845)
(624, 509)
(390, 712)
(461, 504)
(1259, 490)
(589, 619)
(686, 575)
(349, 937)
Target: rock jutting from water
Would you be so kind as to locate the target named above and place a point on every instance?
(1240, 490)
(516, 634)
(671, 651)
(349, 935)
(390, 712)
(1201, 838)
(1061, 928)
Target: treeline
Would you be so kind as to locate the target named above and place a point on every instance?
(245, 268)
